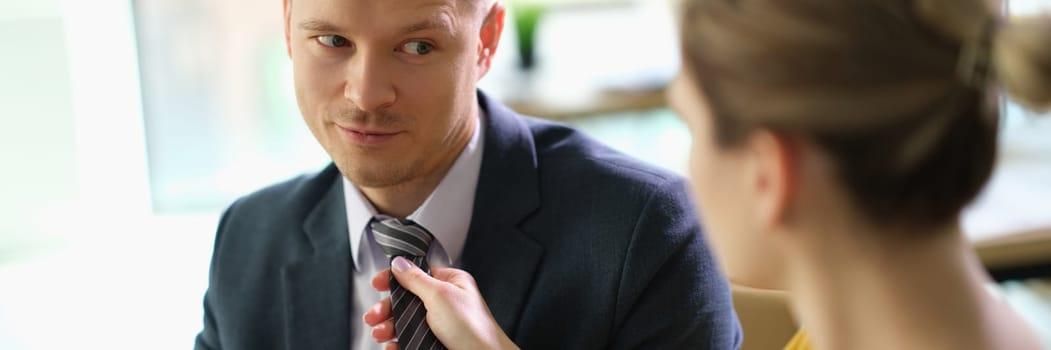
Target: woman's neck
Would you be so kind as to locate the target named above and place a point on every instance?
(894, 290)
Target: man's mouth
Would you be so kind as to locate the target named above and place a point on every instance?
(368, 137)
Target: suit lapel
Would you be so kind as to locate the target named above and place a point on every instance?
(317, 287)
(497, 252)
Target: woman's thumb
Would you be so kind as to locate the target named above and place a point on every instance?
(413, 278)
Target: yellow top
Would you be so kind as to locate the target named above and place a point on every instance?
(799, 342)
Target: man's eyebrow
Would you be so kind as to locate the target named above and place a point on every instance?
(318, 26)
(436, 22)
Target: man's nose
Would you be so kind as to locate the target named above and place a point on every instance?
(369, 85)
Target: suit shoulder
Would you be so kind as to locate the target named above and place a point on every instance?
(567, 150)
(290, 197)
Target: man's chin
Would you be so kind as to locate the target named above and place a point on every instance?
(372, 178)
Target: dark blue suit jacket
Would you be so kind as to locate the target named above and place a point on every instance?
(573, 245)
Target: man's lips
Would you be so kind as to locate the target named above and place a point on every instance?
(368, 137)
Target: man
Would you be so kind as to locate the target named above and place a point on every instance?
(572, 245)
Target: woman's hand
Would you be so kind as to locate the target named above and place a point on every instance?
(456, 312)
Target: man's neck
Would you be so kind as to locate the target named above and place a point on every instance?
(403, 199)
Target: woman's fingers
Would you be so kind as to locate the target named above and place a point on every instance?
(378, 313)
(383, 332)
(381, 281)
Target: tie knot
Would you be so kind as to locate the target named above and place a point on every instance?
(401, 237)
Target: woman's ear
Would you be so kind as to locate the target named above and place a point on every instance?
(772, 174)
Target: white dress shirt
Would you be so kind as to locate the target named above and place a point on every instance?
(446, 214)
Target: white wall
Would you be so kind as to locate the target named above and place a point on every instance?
(38, 157)
(83, 262)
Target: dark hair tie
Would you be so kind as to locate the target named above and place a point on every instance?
(975, 61)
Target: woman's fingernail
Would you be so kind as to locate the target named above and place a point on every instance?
(401, 264)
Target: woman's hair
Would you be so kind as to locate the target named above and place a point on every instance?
(894, 91)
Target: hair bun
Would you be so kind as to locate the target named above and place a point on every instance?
(1022, 61)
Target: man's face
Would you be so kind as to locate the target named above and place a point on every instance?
(388, 87)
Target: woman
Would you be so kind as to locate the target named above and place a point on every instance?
(835, 145)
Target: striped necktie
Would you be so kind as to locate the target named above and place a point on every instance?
(407, 239)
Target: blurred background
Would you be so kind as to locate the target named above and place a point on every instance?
(128, 126)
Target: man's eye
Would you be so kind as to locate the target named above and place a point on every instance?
(333, 41)
(418, 48)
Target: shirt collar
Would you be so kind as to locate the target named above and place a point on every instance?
(447, 211)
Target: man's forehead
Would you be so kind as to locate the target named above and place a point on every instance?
(467, 6)
(408, 15)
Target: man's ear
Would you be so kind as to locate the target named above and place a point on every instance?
(287, 15)
(489, 37)
(773, 174)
